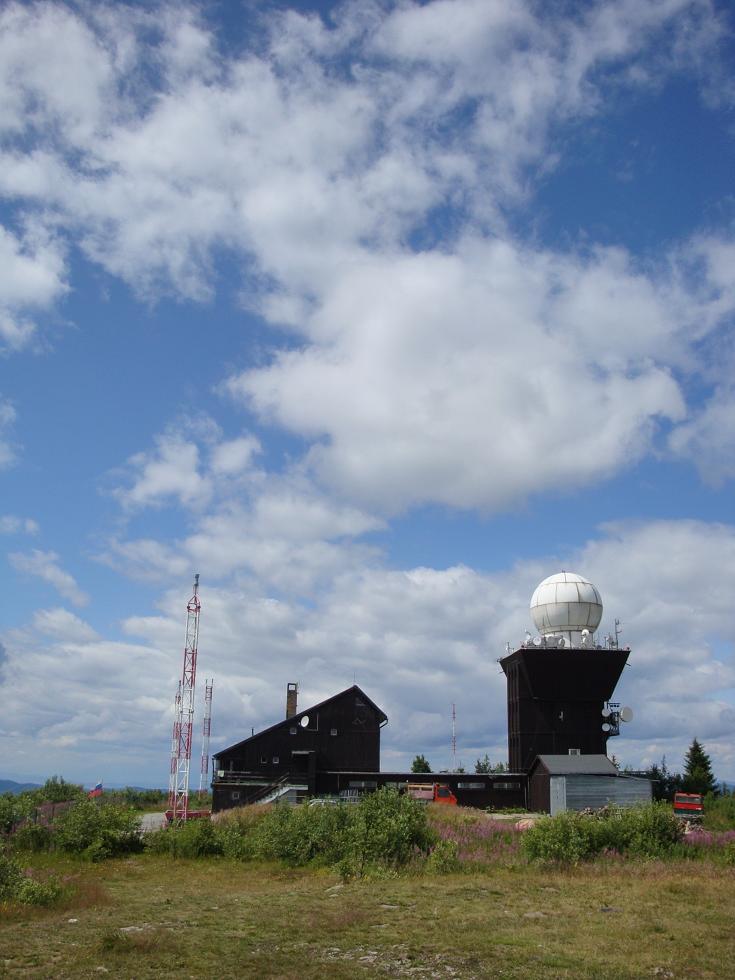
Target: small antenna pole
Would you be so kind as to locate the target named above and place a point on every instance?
(618, 631)
(454, 739)
(206, 732)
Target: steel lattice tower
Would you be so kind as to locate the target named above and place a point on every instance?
(178, 788)
(206, 732)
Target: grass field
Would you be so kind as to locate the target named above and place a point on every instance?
(152, 916)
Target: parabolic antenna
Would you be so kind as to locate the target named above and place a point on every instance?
(606, 727)
(626, 714)
(606, 712)
(304, 721)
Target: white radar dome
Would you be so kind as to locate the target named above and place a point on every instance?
(566, 603)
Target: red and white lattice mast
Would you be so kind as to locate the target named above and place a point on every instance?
(178, 787)
(206, 732)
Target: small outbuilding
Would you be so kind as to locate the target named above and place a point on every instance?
(577, 782)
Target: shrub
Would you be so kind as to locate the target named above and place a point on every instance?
(32, 892)
(16, 887)
(57, 790)
(443, 858)
(300, 835)
(97, 831)
(31, 837)
(383, 831)
(560, 838)
(193, 839)
(646, 831)
(387, 828)
(14, 809)
(10, 877)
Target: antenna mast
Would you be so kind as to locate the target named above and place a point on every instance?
(206, 732)
(178, 787)
(454, 739)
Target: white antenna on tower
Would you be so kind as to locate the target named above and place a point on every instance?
(206, 732)
(454, 739)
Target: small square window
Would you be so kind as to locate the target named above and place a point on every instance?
(333, 731)
(236, 794)
(263, 760)
(292, 731)
(276, 760)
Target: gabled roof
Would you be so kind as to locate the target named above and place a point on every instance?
(587, 765)
(357, 691)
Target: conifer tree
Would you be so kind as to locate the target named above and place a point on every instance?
(698, 776)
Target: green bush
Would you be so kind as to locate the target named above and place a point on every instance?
(14, 809)
(382, 832)
(564, 838)
(97, 831)
(443, 858)
(235, 842)
(304, 834)
(719, 812)
(387, 828)
(645, 831)
(16, 887)
(193, 839)
(57, 790)
(10, 877)
(31, 837)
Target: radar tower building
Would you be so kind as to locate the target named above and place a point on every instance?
(560, 682)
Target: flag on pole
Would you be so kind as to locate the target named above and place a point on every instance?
(97, 791)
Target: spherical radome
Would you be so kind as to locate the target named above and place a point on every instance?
(565, 603)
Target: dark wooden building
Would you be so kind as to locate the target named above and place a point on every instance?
(340, 734)
(555, 701)
(333, 749)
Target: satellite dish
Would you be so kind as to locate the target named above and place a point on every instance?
(585, 633)
(606, 727)
(537, 641)
(304, 721)
(626, 714)
(606, 712)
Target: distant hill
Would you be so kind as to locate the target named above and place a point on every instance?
(10, 786)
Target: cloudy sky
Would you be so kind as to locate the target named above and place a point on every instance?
(374, 314)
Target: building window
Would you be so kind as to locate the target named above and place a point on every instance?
(472, 785)
(235, 795)
(276, 760)
(332, 731)
(506, 785)
(292, 731)
(363, 784)
(263, 760)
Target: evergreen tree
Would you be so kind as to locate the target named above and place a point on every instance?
(420, 764)
(484, 765)
(665, 783)
(698, 776)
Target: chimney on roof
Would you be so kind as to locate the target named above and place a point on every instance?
(292, 695)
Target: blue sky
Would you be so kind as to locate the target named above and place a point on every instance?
(374, 314)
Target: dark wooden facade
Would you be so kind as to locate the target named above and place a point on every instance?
(555, 701)
(336, 735)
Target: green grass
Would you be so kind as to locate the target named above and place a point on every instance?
(152, 916)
